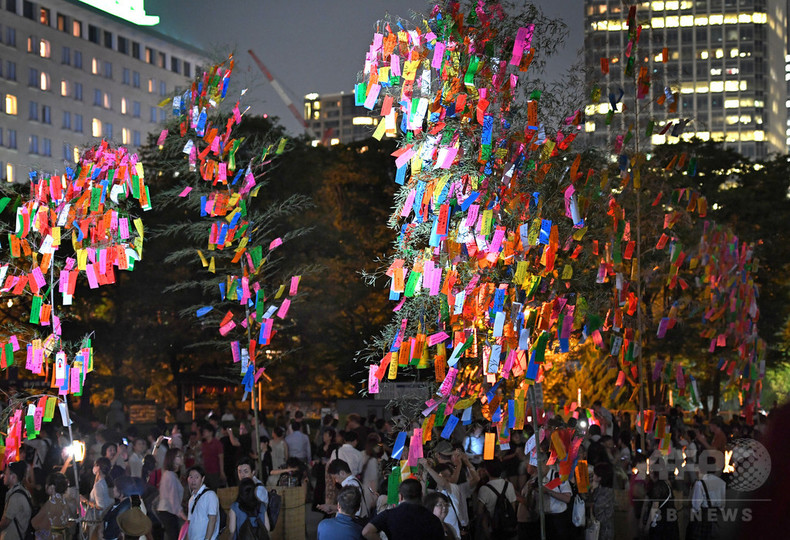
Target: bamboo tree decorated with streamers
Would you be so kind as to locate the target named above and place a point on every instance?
(674, 276)
(227, 229)
(91, 207)
(493, 217)
(510, 248)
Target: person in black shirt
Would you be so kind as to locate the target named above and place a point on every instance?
(410, 520)
(230, 453)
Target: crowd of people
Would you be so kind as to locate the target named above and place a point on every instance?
(162, 483)
(662, 487)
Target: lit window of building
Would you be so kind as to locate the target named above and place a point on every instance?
(10, 104)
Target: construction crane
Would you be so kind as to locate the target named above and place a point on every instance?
(281, 92)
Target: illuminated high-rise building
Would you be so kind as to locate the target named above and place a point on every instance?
(335, 118)
(725, 60)
(73, 72)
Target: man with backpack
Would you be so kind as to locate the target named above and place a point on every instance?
(343, 526)
(341, 474)
(497, 500)
(15, 522)
(203, 507)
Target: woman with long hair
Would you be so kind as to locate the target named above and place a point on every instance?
(321, 457)
(279, 452)
(601, 499)
(246, 506)
(100, 501)
(100, 498)
(171, 494)
(371, 457)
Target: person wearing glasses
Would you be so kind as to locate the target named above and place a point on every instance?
(439, 504)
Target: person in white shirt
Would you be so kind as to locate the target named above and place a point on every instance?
(458, 514)
(203, 507)
(555, 502)
(709, 492)
(100, 498)
(176, 438)
(139, 449)
(341, 474)
(473, 444)
(348, 453)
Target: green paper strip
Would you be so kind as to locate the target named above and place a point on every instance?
(444, 307)
(135, 186)
(540, 347)
(412, 283)
(440, 417)
(393, 483)
(30, 427)
(35, 310)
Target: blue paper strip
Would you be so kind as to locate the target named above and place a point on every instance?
(400, 442)
(466, 417)
(449, 426)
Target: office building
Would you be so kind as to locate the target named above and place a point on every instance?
(333, 119)
(72, 74)
(725, 59)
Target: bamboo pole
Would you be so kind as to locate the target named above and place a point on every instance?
(65, 398)
(535, 427)
(255, 402)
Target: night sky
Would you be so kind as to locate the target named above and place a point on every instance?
(308, 45)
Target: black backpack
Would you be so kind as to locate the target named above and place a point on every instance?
(223, 516)
(273, 508)
(503, 521)
(253, 528)
(30, 533)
